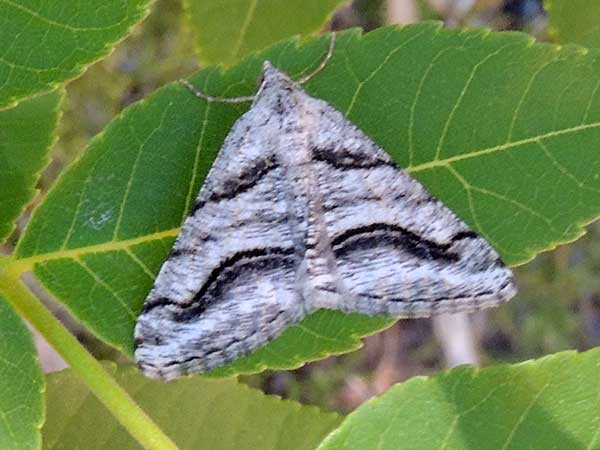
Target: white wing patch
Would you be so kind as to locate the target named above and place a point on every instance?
(301, 211)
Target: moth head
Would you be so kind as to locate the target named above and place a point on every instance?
(273, 84)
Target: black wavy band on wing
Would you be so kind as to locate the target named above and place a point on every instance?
(343, 159)
(240, 184)
(375, 234)
(257, 259)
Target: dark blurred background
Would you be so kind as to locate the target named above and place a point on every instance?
(558, 306)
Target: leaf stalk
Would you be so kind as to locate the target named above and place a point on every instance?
(99, 382)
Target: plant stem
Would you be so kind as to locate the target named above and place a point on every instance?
(100, 383)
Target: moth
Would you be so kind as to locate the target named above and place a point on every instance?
(300, 211)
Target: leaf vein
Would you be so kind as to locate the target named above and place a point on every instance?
(522, 417)
(142, 144)
(189, 198)
(377, 69)
(523, 96)
(468, 190)
(458, 102)
(140, 263)
(413, 107)
(590, 103)
(106, 286)
(563, 169)
(54, 23)
(244, 29)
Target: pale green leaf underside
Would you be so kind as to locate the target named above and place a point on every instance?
(551, 403)
(26, 134)
(502, 130)
(228, 30)
(21, 384)
(47, 42)
(196, 413)
(575, 21)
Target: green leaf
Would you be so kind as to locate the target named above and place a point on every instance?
(46, 43)
(195, 412)
(502, 130)
(26, 136)
(228, 30)
(22, 384)
(574, 21)
(321, 334)
(549, 403)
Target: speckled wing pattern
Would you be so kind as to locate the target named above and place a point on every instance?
(301, 211)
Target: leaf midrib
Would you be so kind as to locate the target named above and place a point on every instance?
(26, 263)
(530, 140)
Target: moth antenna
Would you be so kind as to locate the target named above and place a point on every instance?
(323, 62)
(251, 98)
(211, 99)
